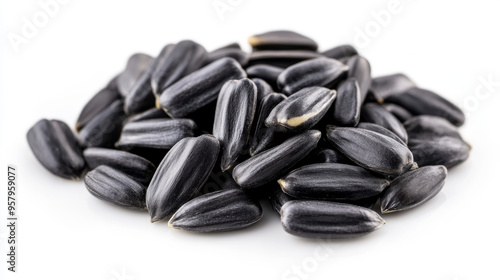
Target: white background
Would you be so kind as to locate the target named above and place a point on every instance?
(65, 233)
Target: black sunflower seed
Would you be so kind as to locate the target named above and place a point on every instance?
(425, 128)
(140, 96)
(181, 173)
(136, 65)
(175, 63)
(393, 84)
(233, 119)
(321, 219)
(200, 87)
(265, 137)
(271, 164)
(413, 188)
(332, 181)
(223, 210)
(263, 89)
(104, 129)
(331, 156)
(156, 133)
(380, 129)
(302, 110)
(139, 168)
(399, 112)
(340, 52)
(376, 114)
(424, 102)
(320, 71)
(56, 148)
(265, 72)
(282, 40)
(282, 59)
(115, 187)
(371, 150)
(278, 198)
(237, 54)
(150, 114)
(360, 69)
(347, 106)
(447, 151)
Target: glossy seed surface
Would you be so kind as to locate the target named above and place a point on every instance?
(374, 113)
(321, 71)
(393, 84)
(224, 210)
(399, 112)
(115, 187)
(360, 69)
(181, 173)
(282, 40)
(331, 156)
(413, 188)
(237, 54)
(302, 110)
(136, 65)
(200, 87)
(233, 119)
(320, 219)
(271, 164)
(332, 181)
(265, 72)
(447, 151)
(278, 198)
(424, 128)
(263, 89)
(380, 129)
(150, 114)
(347, 106)
(56, 148)
(371, 150)
(340, 52)
(282, 59)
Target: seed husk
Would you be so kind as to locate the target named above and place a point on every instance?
(380, 129)
(340, 52)
(263, 89)
(371, 150)
(413, 188)
(322, 219)
(282, 40)
(224, 210)
(116, 187)
(282, 59)
(360, 68)
(56, 148)
(302, 110)
(265, 137)
(271, 164)
(137, 64)
(347, 106)
(237, 54)
(150, 114)
(104, 129)
(140, 96)
(374, 113)
(326, 155)
(175, 63)
(447, 151)
(322, 71)
(233, 119)
(265, 72)
(200, 87)
(181, 173)
(393, 84)
(424, 102)
(156, 133)
(399, 112)
(136, 167)
(332, 181)
(278, 198)
(425, 128)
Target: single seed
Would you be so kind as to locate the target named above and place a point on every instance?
(340, 52)
(136, 65)
(393, 84)
(281, 59)
(374, 113)
(447, 151)
(347, 107)
(282, 40)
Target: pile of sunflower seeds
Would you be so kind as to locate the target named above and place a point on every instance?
(313, 132)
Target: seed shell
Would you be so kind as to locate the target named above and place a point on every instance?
(282, 59)
(340, 52)
(393, 84)
(447, 151)
(347, 106)
(360, 68)
(136, 65)
(399, 112)
(282, 40)
(150, 114)
(278, 198)
(265, 72)
(237, 54)
(374, 113)
(263, 89)
(380, 129)
(425, 128)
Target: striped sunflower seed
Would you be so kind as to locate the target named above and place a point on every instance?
(282, 40)
(181, 173)
(413, 188)
(321, 219)
(263, 89)
(425, 128)
(347, 107)
(380, 129)
(340, 52)
(224, 210)
(150, 114)
(447, 151)
(360, 69)
(374, 113)
(393, 84)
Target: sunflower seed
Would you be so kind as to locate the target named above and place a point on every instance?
(413, 188)
(332, 181)
(380, 129)
(340, 52)
(271, 164)
(233, 119)
(302, 110)
(265, 72)
(237, 54)
(360, 69)
(140, 96)
(320, 71)
(282, 40)
(331, 156)
(136, 65)
(156, 133)
(230, 46)
(393, 84)
(424, 102)
(347, 107)
(399, 112)
(56, 148)
(175, 63)
(282, 59)
(278, 198)
(376, 114)
(104, 129)
(181, 173)
(139, 168)
(447, 151)
(98, 103)
(263, 89)
(264, 137)
(223, 210)
(321, 219)
(150, 114)
(115, 187)
(200, 87)
(425, 128)
(371, 150)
